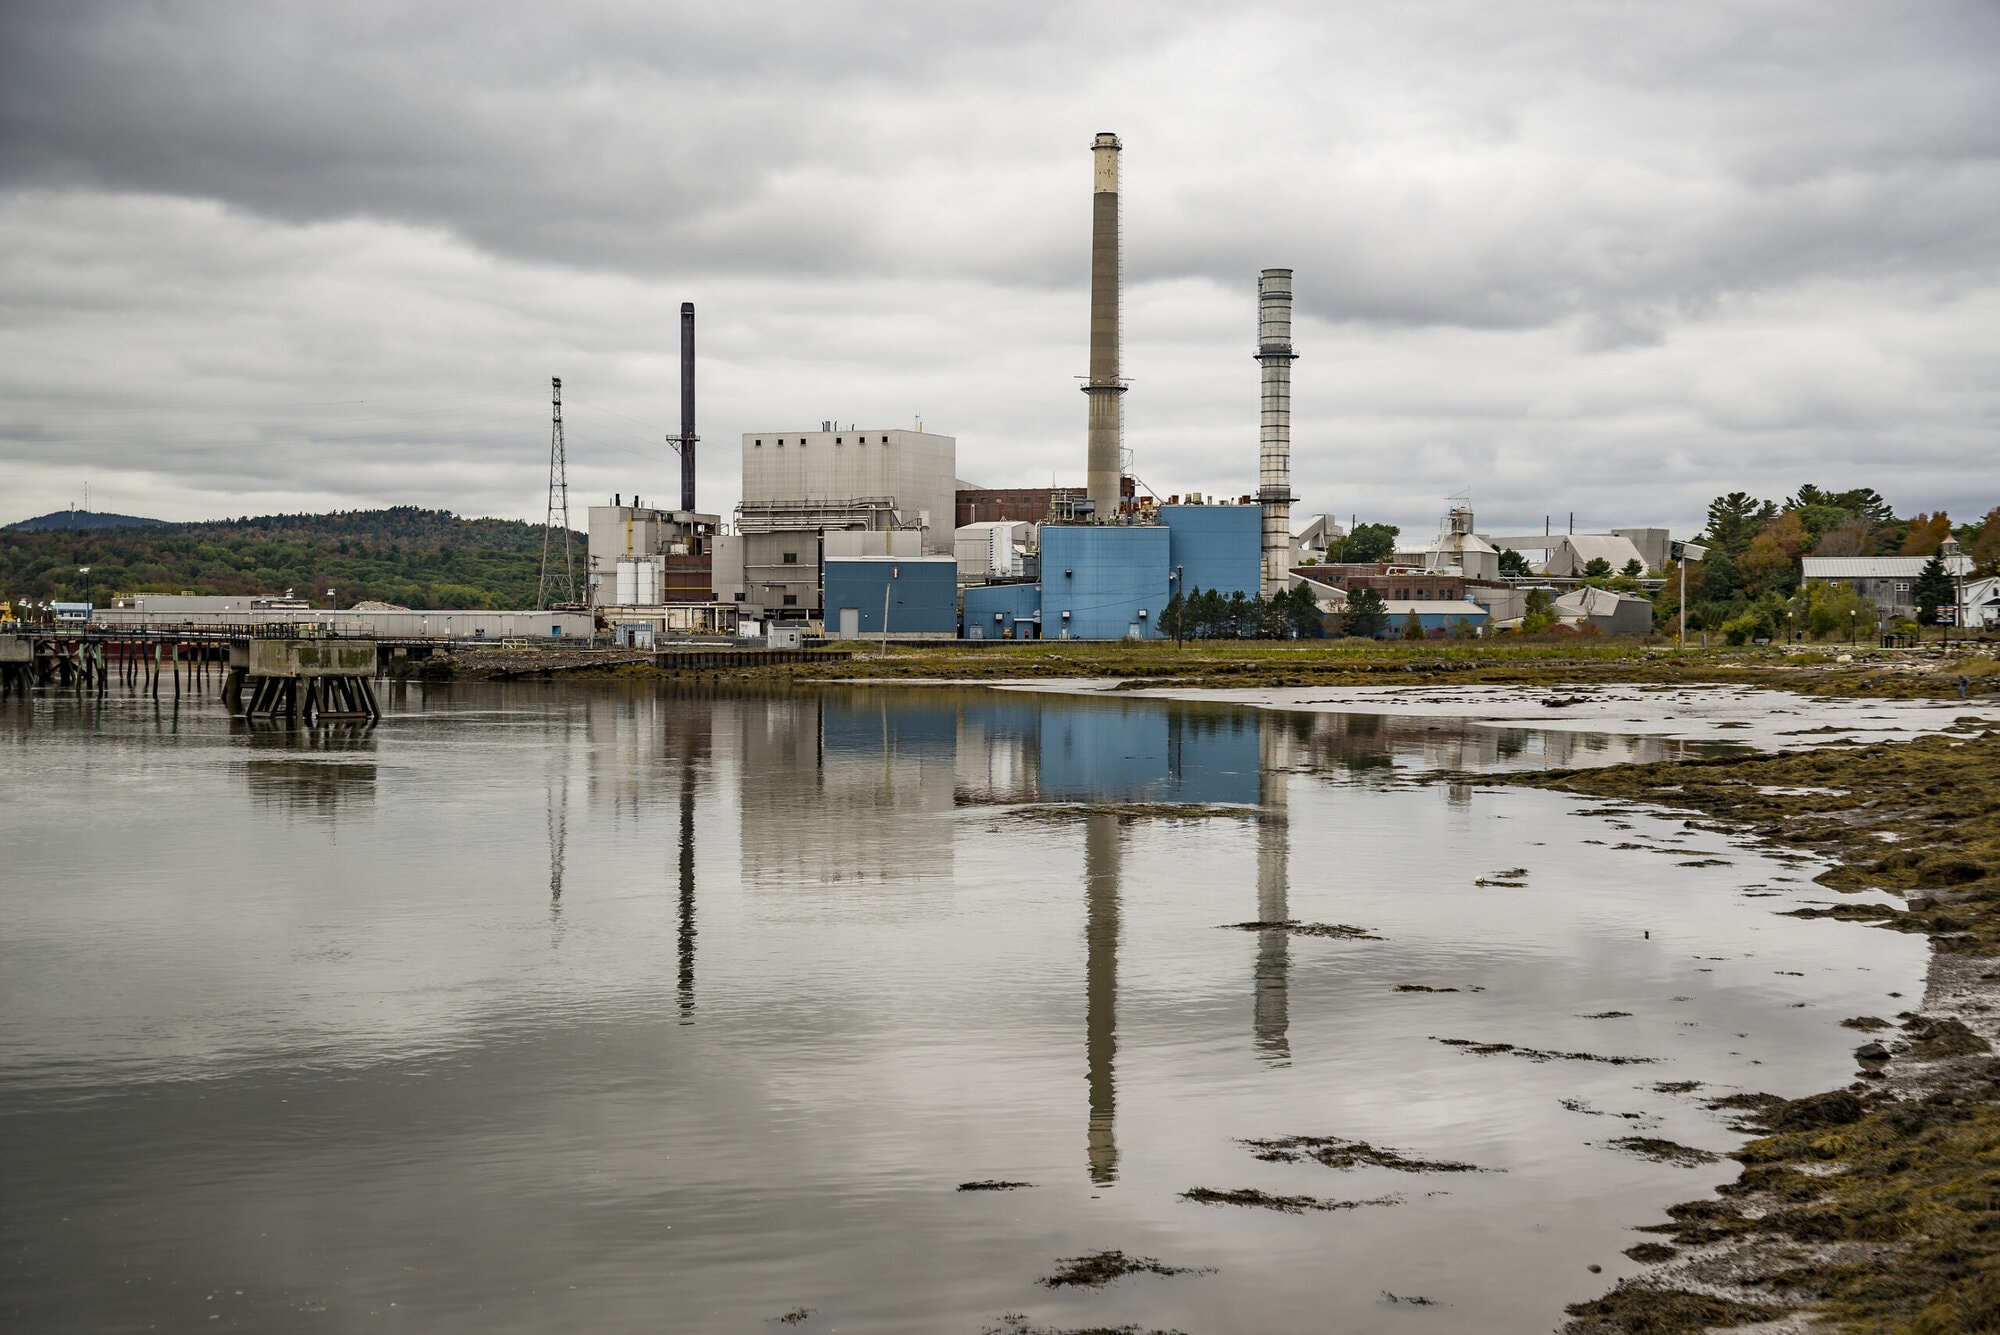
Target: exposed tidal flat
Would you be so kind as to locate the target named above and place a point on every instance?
(620, 1006)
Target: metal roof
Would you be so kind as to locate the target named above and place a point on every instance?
(1877, 567)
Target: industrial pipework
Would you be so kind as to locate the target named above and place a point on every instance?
(1106, 438)
(1274, 445)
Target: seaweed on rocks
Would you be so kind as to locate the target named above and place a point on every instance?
(1665, 1151)
(1264, 1200)
(1100, 1268)
(1016, 1323)
(993, 1184)
(1339, 931)
(1638, 1310)
(1334, 1152)
(1479, 1049)
(1650, 1253)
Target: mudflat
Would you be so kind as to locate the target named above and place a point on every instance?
(1876, 1205)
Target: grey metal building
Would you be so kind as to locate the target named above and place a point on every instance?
(1889, 580)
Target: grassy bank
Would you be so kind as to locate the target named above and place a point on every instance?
(1924, 673)
(1876, 1206)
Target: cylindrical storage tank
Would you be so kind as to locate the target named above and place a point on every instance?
(626, 587)
(651, 575)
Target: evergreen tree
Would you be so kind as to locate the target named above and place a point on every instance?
(1413, 626)
(1302, 611)
(1236, 615)
(1366, 614)
(1734, 519)
(1208, 621)
(1933, 589)
(1513, 564)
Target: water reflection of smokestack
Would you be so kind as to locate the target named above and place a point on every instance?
(1100, 887)
(687, 886)
(696, 721)
(1272, 1015)
(558, 839)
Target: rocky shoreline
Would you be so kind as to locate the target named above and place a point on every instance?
(1876, 1206)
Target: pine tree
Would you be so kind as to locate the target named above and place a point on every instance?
(1932, 590)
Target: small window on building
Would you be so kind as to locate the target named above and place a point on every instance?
(1902, 588)
(791, 558)
(791, 600)
(838, 441)
(760, 445)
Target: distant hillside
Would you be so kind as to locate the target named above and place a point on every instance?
(78, 520)
(405, 555)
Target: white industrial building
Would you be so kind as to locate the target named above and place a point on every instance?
(915, 471)
(994, 549)
(1564, 555)
(1610, 612)
(393, 623)
(801, 487)
(1458, 548)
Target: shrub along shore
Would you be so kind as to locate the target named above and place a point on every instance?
(1876, 1205)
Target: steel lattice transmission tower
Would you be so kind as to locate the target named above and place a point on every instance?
(560, 582)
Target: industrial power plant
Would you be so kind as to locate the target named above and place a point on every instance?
(853, 531)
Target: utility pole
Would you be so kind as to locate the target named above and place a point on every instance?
(562, 582)
(1684, 552)
(1180, 612)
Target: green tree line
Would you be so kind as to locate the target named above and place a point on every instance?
(406, 555)
(1751, 585)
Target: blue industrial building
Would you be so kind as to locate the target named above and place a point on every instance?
(1105, 582)
(1441, 616)
(1003, 611)
(1112, 581)
(918, 593)
(1219, 547)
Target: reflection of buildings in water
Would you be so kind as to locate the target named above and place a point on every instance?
(1272, 1006)
(1360, 742)
(1101, 853)
(842, 787)
(311, 771)
(998, 759)
(623, 734)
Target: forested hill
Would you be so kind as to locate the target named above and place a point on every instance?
(83, 519)
(418, 558)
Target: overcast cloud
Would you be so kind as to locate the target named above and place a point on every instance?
(1588, 257)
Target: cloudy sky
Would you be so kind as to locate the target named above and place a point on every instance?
(1591, 257)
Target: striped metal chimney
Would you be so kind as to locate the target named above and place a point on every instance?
(1274, 444)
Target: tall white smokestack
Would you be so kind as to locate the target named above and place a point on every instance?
(1105, 462)
(1274, 445)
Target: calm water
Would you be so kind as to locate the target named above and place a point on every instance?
(607, 1009)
